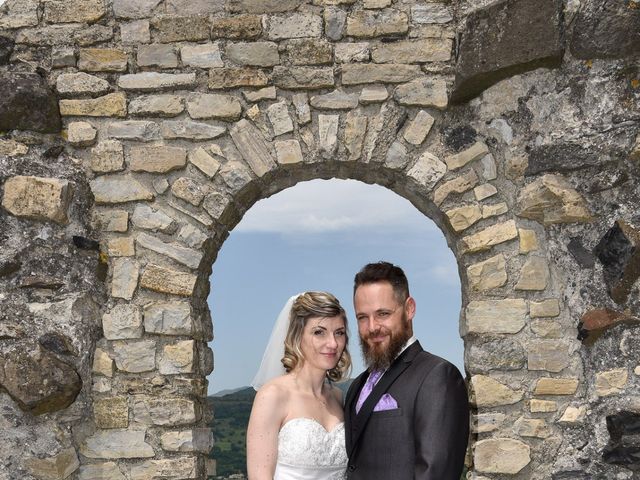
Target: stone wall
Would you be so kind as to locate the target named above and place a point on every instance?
(135, 134)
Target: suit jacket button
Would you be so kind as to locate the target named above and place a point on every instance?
(352, 468)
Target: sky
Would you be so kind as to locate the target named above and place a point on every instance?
(315, 236)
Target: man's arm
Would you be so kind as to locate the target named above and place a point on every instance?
(441, 424)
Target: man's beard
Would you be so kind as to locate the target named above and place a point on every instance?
(378, 359)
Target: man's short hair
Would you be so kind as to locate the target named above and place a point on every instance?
(383, 272)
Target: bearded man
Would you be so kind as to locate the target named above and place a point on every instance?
(407, 415)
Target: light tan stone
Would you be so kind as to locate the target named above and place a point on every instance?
(549, 355)
(157, 55)
(138, 130)
(107, 156)
(164, 411)
(428, 170)
(288, 152)
(528, 240)
(266, 93)
(195, 440)
(206, 162)
(488, 392)
(135, 356)
(156, 105)
(477, 151)
(423, 92)
(552, 199)
(531, 427)
(328, 133)
(239, 26)
(110, 105)
(375, 23)
(111, 412)
(534, 275)
(124, 278)
(545, 308)
(490, 236)
(253, 147)
(494, 210)
(418, 128)
(413, 51)
(37, 198)
(177, 358)
(209, 105)
(157, 159)
(102, 363)
(460, 184)
(81, 134)
(102, 60)
(122, 322)
(611, 382)
(232, 77)
(11, 148)
(501, 455)
(495, 316)
(376, 3)
(100, 471)
(351, 52)
(542, 406)
(186, 256)
(463, 217)
(301, 78)
(637, 370)
(168, 468)
(135, 32)
(190, 130)
(488, 274)
(487, 422)
(336, 100)
(164, 280)
(279, 118)
(556, 386)
(483, 191)
(202, 55)
(168, 318)
(573, 415)
(151, 81)
(546, 328)
(354, 133)
(294, 25)
(19, 14)
(357, 74)
(57, 467)
(117, 444)
(257, 54)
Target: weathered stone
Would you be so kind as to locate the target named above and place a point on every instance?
(396, 156)
(57, 467)
(177, 358)
(573, 415)
(236, 176)
(356, 74)
(237, 27)
(611, 382)
(164, 411)
(309, 51)
(135, 33)
(262, 6)
(528, 240)
(233, 77)
(544, 308)
(156, 105)
(102, 60)
(328, 133)
(117, 444)
(335, 20)
(428, 170)
(546, 328)
(27, 104)
(495, 316)
(488, 274)
(100, 471)
(531, 427)
(37, 381)
(488, 168)
(157, 55)
(487, 422)
(81, 134)
(463, 217)
(124, 278)
(280, 119)
(258, 54)
(296, 78)
(548, 355)
(431, 13)
(373, 94)
(172, 129)
(168, 318)
(164, 280)
(490, 236)
(135, 357)
(204, 161)
(102, 363)
(11, 148)
(413, 51)
(169, 468)
(150, 81)
(111, 105)
(501, 455)
(158, 159)
(92, 35)
(542, 406)
(110, 220)
(122, 322)
(137, 9)
(139, 130)
(253, 147)
(494, 210)
(267, 93)
(160, 185)
(194, 7)
(288, 152)
(149, 219)
(195, 440)
(81, 84)
(172, 28)
(493, 46)
(186, 256)
(192, 236)
(202, 55)
(477, 151)
(351, 52)
(19, 14)
(112, 412)
(495, 355)
(488, 392)
(301, 104)
(556, 386)
(551, 199)
(418, 128)
(294, 25)
(377, 23)
(423, 92)
(534, 275)
(37, 198)
(120, 247)
(460, 184)
(336, 100)
(483, 191)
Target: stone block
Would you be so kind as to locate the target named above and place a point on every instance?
(194, 7)
(37, 198)
(335, 20)
(490, 236)
(413, 51)
(177, 358)
(157, 159)
(528, 240)
(149, 219)
(280, 119)
(487, 422)
(495, 316)
(548, 355)
(110, 105)
(72, 84)
(102, 363)
(556, 386)
(494, 210)
(11, 148)
(111, 412)
(546, 328)
(202, 55)
(418, 128)
(431, 13)
(135, 33)
(156, 105)
(542, 406)
(257, 54)
(206, 162)
(503, 354)
(573, 415)
(488, 274)
(168, 318)
(423, 92)
(396, 156)
(294, 25)
(27, 104)
(118, 189)
(288, 152)
(501, 455)
(110, 220)
(301, 104)
(309, 51)
(135, 356)
(192, 236)
(81, 134)
(464, 182)
(336, 100)
(102, 60)
(427, 171)
(137, 9)
(117, 444)
(611, 382)
(186, 256)
(253, 147)
(124, 278)
(187, 129)
(377, 23)
(544, 308)
(164, 280)
(157, 55)
(122, 322)
(195, 440)
(328, 133)
(100, 471)
(477, 151)
(352, 52)
(19, 14)
(172, 28)
(357, 74)
(164, 411)
(534, 275)
(266, 93)
(168, 468)
(232, 77)
(237, 27)
(373, 94)
(531, 427)
(151, 81)
(463, 217)
(296, 78)
(220, 107)
(487, 392)
(56, 467)
(493, 46)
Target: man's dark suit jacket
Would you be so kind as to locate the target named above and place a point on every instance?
(425, 438)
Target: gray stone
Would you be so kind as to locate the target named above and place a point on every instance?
(157, 55)
(139, 130)
(495, 316)
(396, 156)
(431, 13)
(17, 14)
(356, 74)
(177, 358)
(328, 133)
(168, 318)
(303, 77)
(135, 33)
(110, 220)
(61, 57)
(150, 81)
(301, 104)
(81, 134)
(93, 35)
(354, 133)
(81, 84)
(495, 355)
(27, 104)
(373, 94)
(192, 236)
(493, 46)
(377, 23)
(280, 119)
(157, 159)
(309, 51)
(164, 411)
(205, 55)
(423, 92)
(37, 198)
(188, 190)
(294, 25)
(137, 9)
(193, 7)
(117, 444)
(172, 129)
(335, 20)
(172, 28)
(100, 471)
(232, 77)
(263, 6)
(186, 256)
(195, 440)
(149, 219)
(156, 105)
(413, 51)
(418, 128)
(266, 93)
(135, 356)
(122, 322)
(102, 60)
(253, 147)
(427, 171)
(119, 189)
(548, 355)
(237, 27)
(169, 468)
(124, 278)
(487, 422)
(336, 100)
(351, 52)
(259, 54)
(501, 455)
(221, 107)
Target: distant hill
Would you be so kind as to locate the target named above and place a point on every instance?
(228, 391)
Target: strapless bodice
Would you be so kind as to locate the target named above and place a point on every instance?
(306, 451)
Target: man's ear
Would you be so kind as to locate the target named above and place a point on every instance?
(410, 307)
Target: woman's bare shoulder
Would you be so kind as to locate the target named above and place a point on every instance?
(275, 390)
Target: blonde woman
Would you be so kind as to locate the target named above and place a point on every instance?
(296, 429)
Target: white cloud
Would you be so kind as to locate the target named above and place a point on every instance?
(322, 206)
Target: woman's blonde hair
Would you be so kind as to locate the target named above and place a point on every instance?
(313, 305)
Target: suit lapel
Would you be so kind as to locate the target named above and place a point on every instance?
(349, 404)
(360, 420)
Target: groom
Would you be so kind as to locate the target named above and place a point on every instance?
(407, 416)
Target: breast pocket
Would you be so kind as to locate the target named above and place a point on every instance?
(395, 412)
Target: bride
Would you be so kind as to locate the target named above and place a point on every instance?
(296, 428)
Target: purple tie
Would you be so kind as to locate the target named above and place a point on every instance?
(368, 386)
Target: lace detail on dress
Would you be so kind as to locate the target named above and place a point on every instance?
(303, 442)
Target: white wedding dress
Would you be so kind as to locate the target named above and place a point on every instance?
(306, 451)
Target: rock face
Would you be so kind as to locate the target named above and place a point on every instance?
(28, 104)
(493, 46)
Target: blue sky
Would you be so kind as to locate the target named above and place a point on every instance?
(316, 236)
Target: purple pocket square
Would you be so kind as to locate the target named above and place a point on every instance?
(386, 402)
